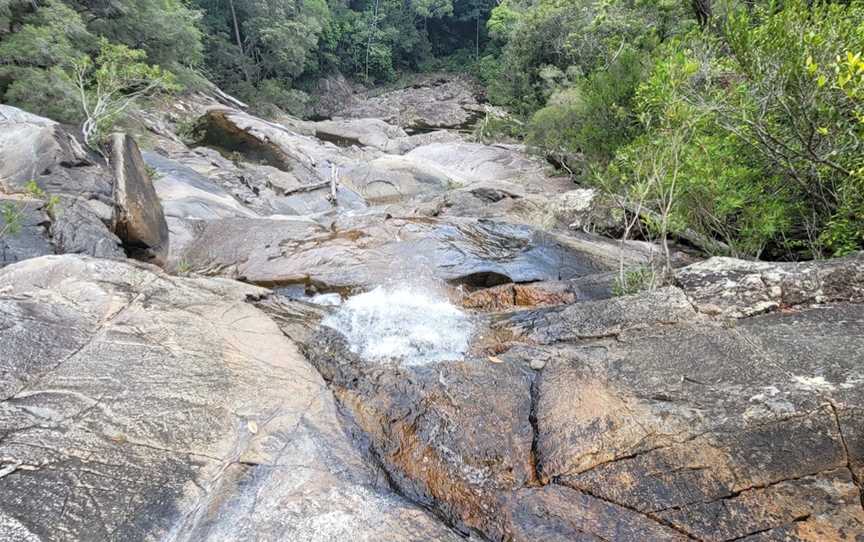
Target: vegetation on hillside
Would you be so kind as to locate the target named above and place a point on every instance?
(737, 122)
(740, 123)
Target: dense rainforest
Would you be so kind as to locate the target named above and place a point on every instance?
(737, 121)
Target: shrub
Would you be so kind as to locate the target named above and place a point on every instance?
(593, 117)
(111, 83)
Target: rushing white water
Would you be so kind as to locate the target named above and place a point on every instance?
(412, 325)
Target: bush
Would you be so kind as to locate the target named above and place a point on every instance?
(594, 117)
(50, 93)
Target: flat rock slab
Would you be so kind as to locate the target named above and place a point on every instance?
(368, 250)
(433, 102)
(139, 406)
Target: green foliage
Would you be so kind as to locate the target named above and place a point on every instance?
(573, 37)
(634, 280)
(495, 128)
(167, 30)
(592, 115)
(111, 83)
(790, 105)
(12, 214)
(49, 92)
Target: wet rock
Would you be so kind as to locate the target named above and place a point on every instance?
(444, 438)
(140, 406)
(432, 102)
(511, 296)
(560, 514)
(508, 297)
(736, 288)
(367, 250)
(138, 217)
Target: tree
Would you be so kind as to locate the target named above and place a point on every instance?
(110, 84)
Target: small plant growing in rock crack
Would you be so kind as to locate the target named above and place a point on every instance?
(109, 84)
(152, 173)
(188, 130)
(635, 280)
(12, 214)
(184, 268)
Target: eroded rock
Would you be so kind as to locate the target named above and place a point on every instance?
(141, 406)
(444, 439)
(736, 288)
(368, 250)
(432, 102)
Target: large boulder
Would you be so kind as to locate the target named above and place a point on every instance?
(431, 102)
(333, 93)
(138, 217)
(37, 149)
(370, 249)
(139, 406)
(304, 157)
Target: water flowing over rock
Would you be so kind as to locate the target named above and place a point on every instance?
(440, 355)
(170, 408)
(408, 324)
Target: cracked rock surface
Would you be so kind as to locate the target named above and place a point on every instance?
(644, 419)
(139, 406)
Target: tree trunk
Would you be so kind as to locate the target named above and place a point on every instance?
(236, 26)
(703, 11)
(477, 37)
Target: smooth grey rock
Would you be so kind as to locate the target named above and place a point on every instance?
(185, 193)
(39, 149)
(139, 406)
(138, 220)
(364, 132)
(367, 250)
(432, 102)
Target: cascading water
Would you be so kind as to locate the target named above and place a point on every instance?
(415, 326)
